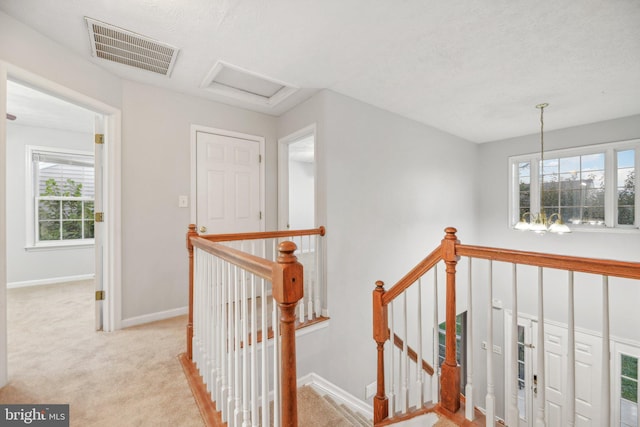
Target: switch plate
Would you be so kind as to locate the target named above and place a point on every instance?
(183, 201)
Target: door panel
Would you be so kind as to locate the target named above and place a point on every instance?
(555, 376)
(227, 184)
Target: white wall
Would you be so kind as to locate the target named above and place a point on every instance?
(301, 195)
(155, 171)
(493, 212)
(388, 187)
(37, 265)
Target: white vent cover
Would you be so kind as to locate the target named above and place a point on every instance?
(125, 47)
(234, 82)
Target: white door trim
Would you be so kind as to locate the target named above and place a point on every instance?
(112, 269)
(283, 173)
(223, 132)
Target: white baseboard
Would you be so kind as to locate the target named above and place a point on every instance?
(341, 396)
(152, 317)
(50, 281)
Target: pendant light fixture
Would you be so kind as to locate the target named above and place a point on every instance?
(539, 223)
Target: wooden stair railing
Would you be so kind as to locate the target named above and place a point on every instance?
(450, 374)
(449, 251)
(286, 277)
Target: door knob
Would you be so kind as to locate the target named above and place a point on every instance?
(203, 229)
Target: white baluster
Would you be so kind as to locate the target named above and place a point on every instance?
(237, 400)
(468, 389)
(606, 356)
(419, 371)
(231, 345)
(541, 387)
(435, 378)
(198, 313)
(223, 339)
(213, 283)
(301, 304)
(392, 370)
(265, 355)
(310, 281)
(253, 332)
(405, 356)
(318, 275)
(490, 399)
(571, 357)
(513, 413)
(246, 416)
(276, 364)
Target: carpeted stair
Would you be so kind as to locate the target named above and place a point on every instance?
(316, 410)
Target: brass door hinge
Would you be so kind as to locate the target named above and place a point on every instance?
(99, 295)
(99, 138)
(99, 217)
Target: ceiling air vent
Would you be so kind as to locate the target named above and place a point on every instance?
(125, 47)
(234, 82)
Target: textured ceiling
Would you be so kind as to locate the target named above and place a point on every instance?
(475, 69)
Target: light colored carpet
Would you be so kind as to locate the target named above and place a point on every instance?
(130, 377)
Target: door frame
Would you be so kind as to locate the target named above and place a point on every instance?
(193, 199)
(530, 324)
(283, 173)
(111, 258)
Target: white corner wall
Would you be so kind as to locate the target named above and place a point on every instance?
(38, 266)
(388, 187)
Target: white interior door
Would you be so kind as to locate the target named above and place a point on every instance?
(228, 184)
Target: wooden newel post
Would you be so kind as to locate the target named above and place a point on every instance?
(380, 335)
(450, 378)
(191, 233)
(287, 291)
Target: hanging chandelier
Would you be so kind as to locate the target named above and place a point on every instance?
(539, 222)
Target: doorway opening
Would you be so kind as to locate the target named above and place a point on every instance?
(297, 180)
(52, 195)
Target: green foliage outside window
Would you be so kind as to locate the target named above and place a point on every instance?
(629, 378)
(61, 215)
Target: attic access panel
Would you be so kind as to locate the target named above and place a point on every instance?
(126, 47)
(234, 82)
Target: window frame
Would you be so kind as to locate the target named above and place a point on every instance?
(610, 151)
(32, 197)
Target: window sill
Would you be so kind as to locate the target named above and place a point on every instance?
(612, 230)
(59, 246)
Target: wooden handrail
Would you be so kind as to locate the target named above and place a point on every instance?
(628, 270)
(397, 341)
(418, 271)
(320, 231)
(256, 265)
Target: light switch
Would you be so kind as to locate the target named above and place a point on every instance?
(183, 201)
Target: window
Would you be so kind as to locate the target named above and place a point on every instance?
(590, 187)
(628, 390)
(63, 197)
(461, 346)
